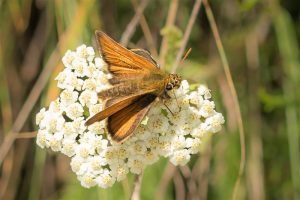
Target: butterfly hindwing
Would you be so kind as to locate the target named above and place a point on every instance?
(113, 105)
(121, 124)
(146, 55)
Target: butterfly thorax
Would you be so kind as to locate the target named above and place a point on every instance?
(154, 83)
(173, 82)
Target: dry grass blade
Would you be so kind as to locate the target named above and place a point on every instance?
(187, 34)
(127, 34)
(43, 78)
(28, 105)
(237, 109)
(36, 91)
(9, 140)
(147, 32)
(164, 181)
(26, 135)
(179, 186)
(201, 171)
(191, 182)
(35, 49)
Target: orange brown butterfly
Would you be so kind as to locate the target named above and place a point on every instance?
(136, 82)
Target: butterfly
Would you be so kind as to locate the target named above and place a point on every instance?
(137, 81)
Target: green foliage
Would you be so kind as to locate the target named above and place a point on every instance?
(174, 36)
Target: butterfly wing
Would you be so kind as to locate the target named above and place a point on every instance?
(121, 61)
(146, 55)
(121, 124)
(114, 105)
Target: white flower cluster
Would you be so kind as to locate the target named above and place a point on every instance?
(96, 159)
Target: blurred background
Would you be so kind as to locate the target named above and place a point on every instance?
(261, 41)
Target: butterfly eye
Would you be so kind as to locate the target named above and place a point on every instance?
(169, 86)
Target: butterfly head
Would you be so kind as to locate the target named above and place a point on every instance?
(174, 81)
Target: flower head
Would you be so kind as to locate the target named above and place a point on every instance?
(95, 159)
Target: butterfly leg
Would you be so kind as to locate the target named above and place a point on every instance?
(176, 101)
(164, 102)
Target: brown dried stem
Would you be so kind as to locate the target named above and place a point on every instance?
(29, 103)
(146, 31)
(179, 186)
(26, 135)
(187, 34)
(201, 171)
(127, 34)
(191, 182)
(164, 181)
(137, 187)
(237, 109)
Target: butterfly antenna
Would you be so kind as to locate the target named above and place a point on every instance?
(185, 55)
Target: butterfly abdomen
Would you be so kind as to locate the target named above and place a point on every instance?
(119, 90)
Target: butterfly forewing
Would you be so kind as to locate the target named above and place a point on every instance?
(121, 61)
(121, 79)
(146, 55)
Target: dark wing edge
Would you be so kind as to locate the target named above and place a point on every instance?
(124, 122)
(146, 54)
